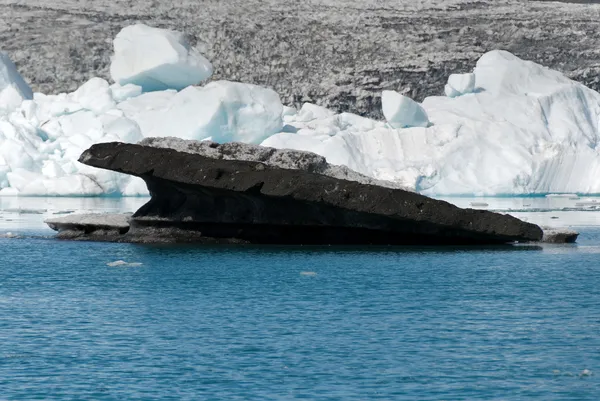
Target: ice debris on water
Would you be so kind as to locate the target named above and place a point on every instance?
(9, 235)
(117, 263)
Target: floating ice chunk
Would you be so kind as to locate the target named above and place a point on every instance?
(562, 196)
(402, 112)
(135, 187)
(9, 191)
(16, 153)
(222, 110)
(238, 112)
(502, 73)
(52, 169)
(26, 211)
(91, 220)
(156, 59)
(309, 112)
(95, 95)
(349, 121)
(117, 263)
(28, 109)
(289, 111)
(13, 88)
(120, 127)
(120, 93)
(4, 169)
(29, 183)
(21, 179)
(9, 235)
(460, 84)
(559, 235)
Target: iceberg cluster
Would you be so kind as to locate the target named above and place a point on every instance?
(509, 127)
(42, 136)
(520, 129)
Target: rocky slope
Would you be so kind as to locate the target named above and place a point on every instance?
(340, 54)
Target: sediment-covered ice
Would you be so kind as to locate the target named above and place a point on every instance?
(282, 158)
(509, 127)
(157, 59)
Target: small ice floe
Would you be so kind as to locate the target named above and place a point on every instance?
(311, 274)
(479, 204)
(117, 263)
(587, 203)
(26, 211)
(586, 372)
(8, 235)
(559, 235)
(561, 196)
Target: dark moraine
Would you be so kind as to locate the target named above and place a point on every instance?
(205, 192)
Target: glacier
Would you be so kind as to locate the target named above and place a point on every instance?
(509, 127)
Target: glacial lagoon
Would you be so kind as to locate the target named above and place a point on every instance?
(103, 321)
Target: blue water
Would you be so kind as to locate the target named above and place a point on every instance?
(276, 323)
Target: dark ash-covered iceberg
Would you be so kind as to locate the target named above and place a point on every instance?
(206, 192)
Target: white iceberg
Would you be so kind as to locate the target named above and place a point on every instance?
(460, 84)
(13, 88)
(156, 59)
(41, 140)
(402, 112)
(522, 129)
(223, 111)
(526, 130)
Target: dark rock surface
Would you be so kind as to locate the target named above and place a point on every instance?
(200, 198)
(338, 53)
